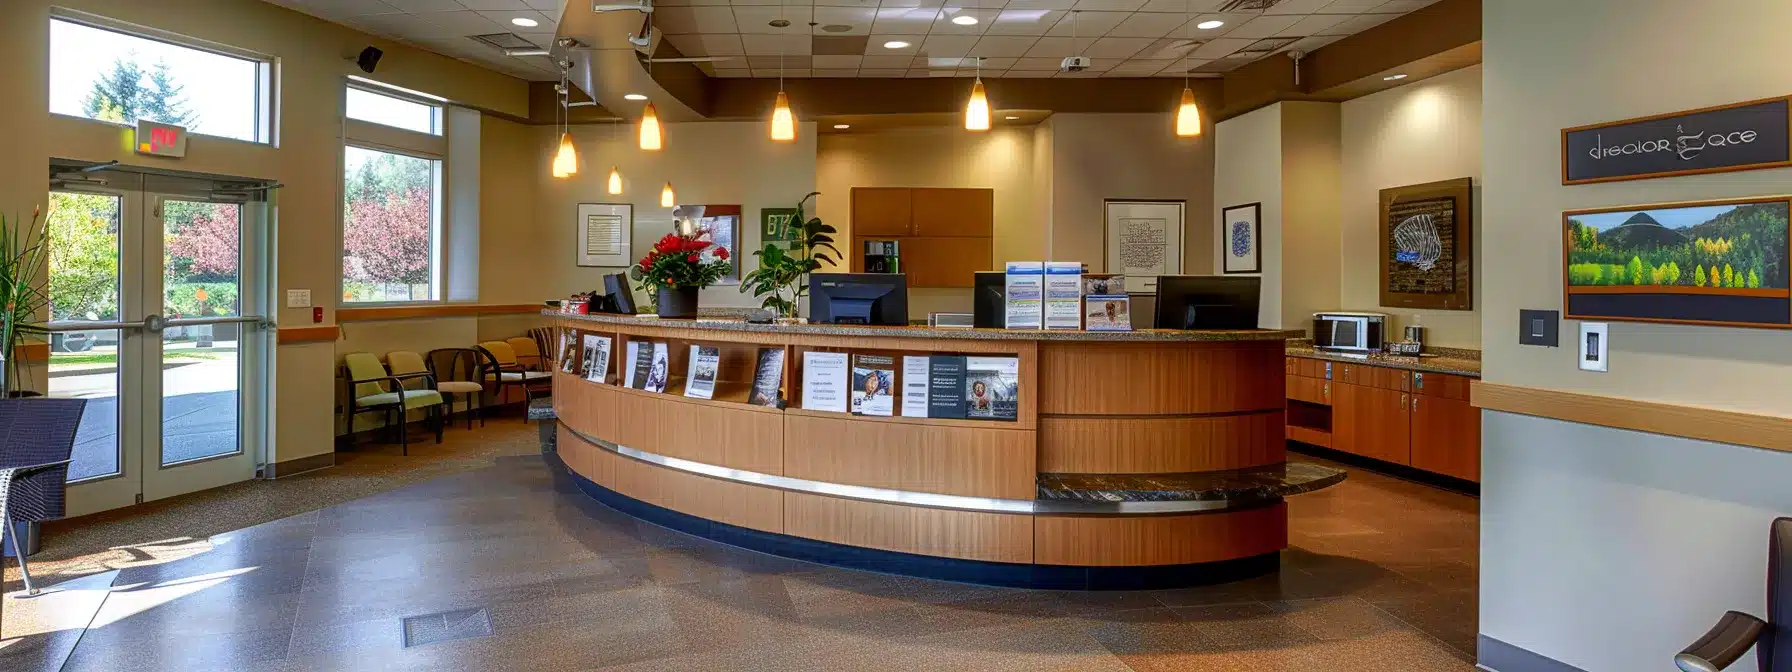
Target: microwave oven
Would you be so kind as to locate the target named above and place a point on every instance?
(1350, 332)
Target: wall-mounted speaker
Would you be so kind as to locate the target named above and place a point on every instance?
(369, 59)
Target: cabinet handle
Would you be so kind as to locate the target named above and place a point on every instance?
(1415, 403)
(1328, 391)
(1402, 402)
(1418, 379)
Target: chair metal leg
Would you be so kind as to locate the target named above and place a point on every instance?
(18, 550)
(441, 417)
(404, 430)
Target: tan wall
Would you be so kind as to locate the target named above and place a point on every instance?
(1422, 132)
(1099, 157)
(1248, 169)
(1001, 160)
(311, 68)
(1311, 156)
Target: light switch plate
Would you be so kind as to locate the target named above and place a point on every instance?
(1539, 327)
(298, 298)
(1595, 347)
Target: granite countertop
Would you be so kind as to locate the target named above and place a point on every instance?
(1447, 360)
(1141, 335)
(1238, 485)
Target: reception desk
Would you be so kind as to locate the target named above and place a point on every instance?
(1134, 459)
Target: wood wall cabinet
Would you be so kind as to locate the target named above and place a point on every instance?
(1416, 419)
(945, 236)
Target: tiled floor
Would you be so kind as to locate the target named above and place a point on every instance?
(1381, 577)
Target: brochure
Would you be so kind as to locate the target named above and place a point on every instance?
(873, 376)
(914, 386)
(635, 369)
(1107, 312)
(1103, 283)
(701, 381)
(768, 376)
(1063, 295)
(1025, 286)
(658, 370)
(597, 358)
(824, 381)
(945, 387)
(569, 350)
(992, 389)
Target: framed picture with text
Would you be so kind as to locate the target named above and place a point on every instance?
(1144, 240)
(1241, 234)
(604, 234)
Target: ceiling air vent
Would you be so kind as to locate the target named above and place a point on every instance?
(1247, 5)
(504, 41)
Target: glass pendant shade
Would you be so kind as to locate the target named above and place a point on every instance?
(667, 200)
(1188, 116)
(615, 181)
(566, 160)
(783, 122)
(651, 139)
(976, 112)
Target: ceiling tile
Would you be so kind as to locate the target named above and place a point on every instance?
(772, 45)
(1140, 67)
(904, 20)
(1149, 25)
(943, 24)
(1313, 25)
(722, 45)
(340, 8)
(1352, 6)
(677, 20)
(731, 73)
(1403, 6)
(773, 73)
(848, 72)
(1087, 24)
(776, 62)
(400, 26)
(846, 3)
(464, 22)
(1220, 47)
(1359, 23)
(1180, 67)
(1040, 4)
(543, 24)
(839, 45)
(1029, 74)
(882, 72)
(1109, 5)
(836, 62)
(1003, 45)
(1309, 44)
(1024, 21)
(1086, 74)
(501, 5)
(552, 6)
(948, 45)
(897, 4)
(543, 40)
(1111, 48)
(1263, 26)
(756, 19)
(1297, 6)
(859, 18)
(871, 62)
(691, 45)
(1035, 63)
(1054, 47)
(417, 6)
(989, 64)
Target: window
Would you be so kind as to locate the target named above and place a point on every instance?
(393, 111)
(104, 74)
(390, 227)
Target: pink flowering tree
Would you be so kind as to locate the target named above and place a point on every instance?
(386, 240)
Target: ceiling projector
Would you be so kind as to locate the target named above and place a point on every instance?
(1075, 64)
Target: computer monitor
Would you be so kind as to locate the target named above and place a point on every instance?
(858, 298)
(989, 300)
(1207, 302)
(617, 296)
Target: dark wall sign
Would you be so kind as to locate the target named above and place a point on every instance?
(1741, 136)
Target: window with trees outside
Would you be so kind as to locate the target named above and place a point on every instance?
(389, 227)
(108, 75)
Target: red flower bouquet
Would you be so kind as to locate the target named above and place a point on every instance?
(681, 263)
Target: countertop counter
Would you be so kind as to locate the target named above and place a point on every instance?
(1236, 486)
(1458, 362)
(1137, 336)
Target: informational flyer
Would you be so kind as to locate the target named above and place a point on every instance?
(825, 376)
(914, 386)
(700, 383)
(1063, 295)
(1107, 312)
(1026, 292)
(597, 358)
(633, 370)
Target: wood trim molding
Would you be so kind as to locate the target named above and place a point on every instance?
(309, 334)
(439, 310)
(33, 351)
(1689, 422)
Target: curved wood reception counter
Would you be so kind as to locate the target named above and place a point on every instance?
(1132, 458)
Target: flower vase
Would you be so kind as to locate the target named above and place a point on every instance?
(680, 302)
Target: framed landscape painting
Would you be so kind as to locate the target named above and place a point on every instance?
(1706, 262)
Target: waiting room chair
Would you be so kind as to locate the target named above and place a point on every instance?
(546, 343)
(37, 438)
(1737, 632)
(371, 388)
(503, 370)
(457, 372)
(530, 354)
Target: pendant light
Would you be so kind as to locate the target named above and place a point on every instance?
(651, 139)
(566, 159)
(976, 112)
(783, 122)
(667, 200)
(615, 181)
(1188, 114)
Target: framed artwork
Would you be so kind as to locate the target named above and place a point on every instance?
(1144, 240)
(1241, 236)
(1748, 135)
(723, 224)
(605, 233)
(1427, 245)
(1703, 262)
(778, 225)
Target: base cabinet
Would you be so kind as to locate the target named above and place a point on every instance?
(1446, 437)
(1421, 420)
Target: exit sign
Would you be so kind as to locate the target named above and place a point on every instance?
(157, 139)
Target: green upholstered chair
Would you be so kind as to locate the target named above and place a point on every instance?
(371, 388)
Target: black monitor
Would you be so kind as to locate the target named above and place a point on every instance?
(1207, 302)
(989, 300)
(858, 298)
(617, 297)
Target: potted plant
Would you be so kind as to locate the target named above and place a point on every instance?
(781, 280)
(24, 258)
(678, 265)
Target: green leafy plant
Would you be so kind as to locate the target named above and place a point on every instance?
(781, 280)
(24, 254)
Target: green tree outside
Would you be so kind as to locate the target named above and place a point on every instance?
(127, 92)
(83, 231)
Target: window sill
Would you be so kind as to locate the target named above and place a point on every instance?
(415, 311)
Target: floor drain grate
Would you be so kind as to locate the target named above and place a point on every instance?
(447, 626)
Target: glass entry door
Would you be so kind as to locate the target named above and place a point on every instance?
(157, 297)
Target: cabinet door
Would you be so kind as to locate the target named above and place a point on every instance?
(1348, 431)
(880, 212)
(1446, 437)
(945, 262)
(968, 213)
(1389, 415)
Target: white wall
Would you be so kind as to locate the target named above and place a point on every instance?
(1606, 549)
(1101, 157)
(1248, 161)
(1426, 131)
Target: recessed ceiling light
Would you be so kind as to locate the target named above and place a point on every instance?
(842, 127)
(965, 20)
(524, 22)
(1209, 25)
(895, 44)
(1393, 77)
(633, 96)
(1011, 118)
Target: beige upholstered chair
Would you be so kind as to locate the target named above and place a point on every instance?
(504, 371)
(528, 353)
(371, 388)
(457, 371)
